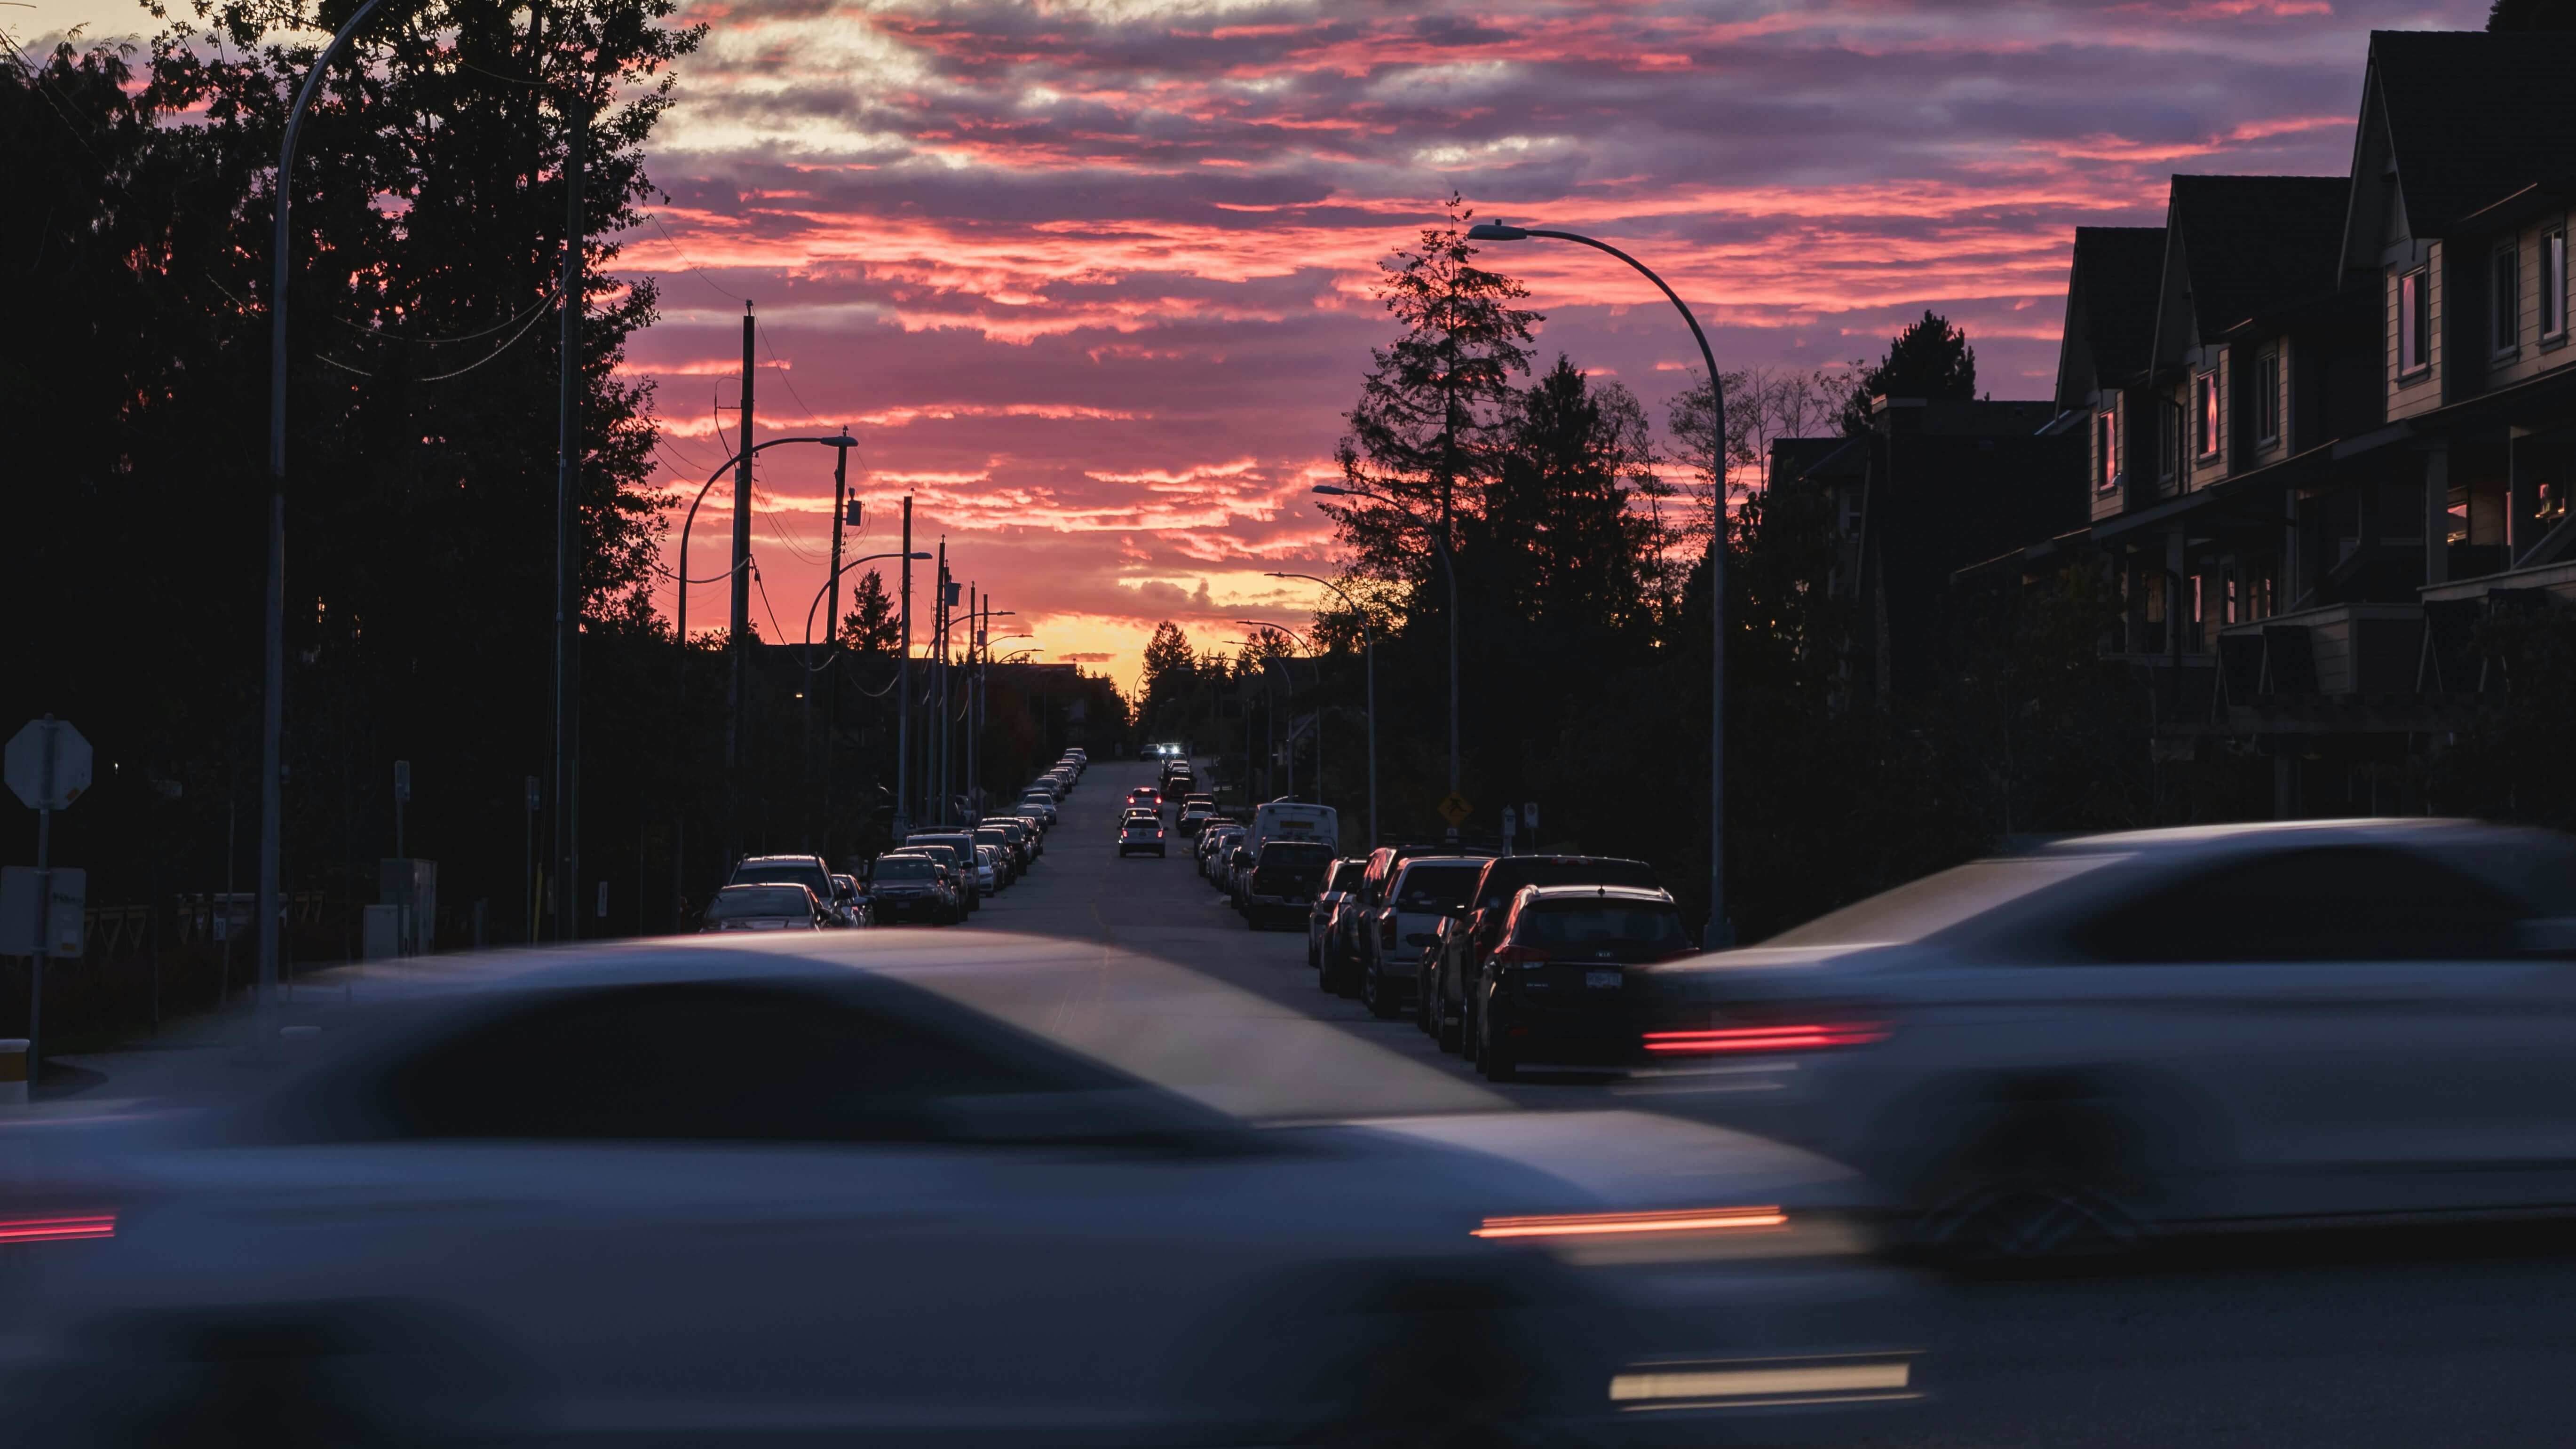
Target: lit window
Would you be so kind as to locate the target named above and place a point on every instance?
(2504, 299)
(2414, 322)
(2553, 284)
(2204, 414)
(2106, 444)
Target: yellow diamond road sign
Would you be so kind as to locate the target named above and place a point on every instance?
(1455, 809)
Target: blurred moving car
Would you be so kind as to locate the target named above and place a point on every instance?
(808, 871)
(1400, 921)
(2170, 1031)
(908, 888)
(1284, 878)
(1140, 830)
(1459, 954)
(486, 1208)
(1338, 884)
(783, 907)
(1555, 989)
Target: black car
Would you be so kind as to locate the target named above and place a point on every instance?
(963, 845)
(908, 888)
(808, 871)
(1561, 986)
(1286, 875)
(1464, 939)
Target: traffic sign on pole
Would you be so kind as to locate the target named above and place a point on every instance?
(48, 764)
(1455, 809)
(41, 910)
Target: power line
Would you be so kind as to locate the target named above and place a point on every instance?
(656, 219)
(553, 290)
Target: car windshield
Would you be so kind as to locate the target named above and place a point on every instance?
(1938, 902)
(1604, 930)
(1435, 887)
(735, 903)
(783, 872)
(993, 838)
(912, 868)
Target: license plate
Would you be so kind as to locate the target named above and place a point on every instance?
(1608, 979)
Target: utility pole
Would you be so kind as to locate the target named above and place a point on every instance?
(939, 650)
(903, 693)
(974, 639)
(831, 673)
(737, 646)
(568, 539)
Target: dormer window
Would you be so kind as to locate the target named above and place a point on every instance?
(2204, 415)
(2106, 445)
(2504, 299)
(2414, 322)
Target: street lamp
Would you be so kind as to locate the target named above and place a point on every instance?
(272, 721)
(1368, 644)
(1449, 570)
(833, 639)
(1719, 933)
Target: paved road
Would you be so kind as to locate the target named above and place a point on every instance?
(2412, 1341)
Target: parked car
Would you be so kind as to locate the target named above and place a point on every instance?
(1338, 884)
(1464, 939)
(808, 871)
(1140, 831)
(1555, 988)
(988, 868)
(1011, 837)
(582, 1196)
(1039, 803)
(786, 906)
(1401, 920)
(1295, 820)
(1193, 815)
(904, 887)
(1214, 842)
(2120, 1037)
(960, 857)
(1285, 877)
(854, 901)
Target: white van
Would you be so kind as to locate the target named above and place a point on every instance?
(1292, 820)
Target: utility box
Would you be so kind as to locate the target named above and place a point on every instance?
(412, 887)
(380, 935)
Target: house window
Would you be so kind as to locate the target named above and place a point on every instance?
(2504, 299)
(2414, 322)
(2204, 415)
(2267, 398)
(2106, 440)
(2553, 285)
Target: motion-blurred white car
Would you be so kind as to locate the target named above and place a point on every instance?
(2206, 1028)
(797, 1190)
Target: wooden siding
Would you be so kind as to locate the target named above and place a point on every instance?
(2420, 392)
(2531, 359)
(2362, 649)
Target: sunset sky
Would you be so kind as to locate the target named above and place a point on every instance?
(1091, 279)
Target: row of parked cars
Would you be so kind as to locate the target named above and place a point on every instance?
(1516, 961)
(939, 876)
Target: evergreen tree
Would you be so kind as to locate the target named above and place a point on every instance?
(1929, 359)
(2532, 15)
(1434, 402)
(874, 625)
(1557, 525)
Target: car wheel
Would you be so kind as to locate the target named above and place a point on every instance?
(1377, 991)
(2048, 1184)
(1494, 1058)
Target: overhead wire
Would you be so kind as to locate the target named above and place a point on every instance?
(656, 219)
(553, 290)
(444, 376)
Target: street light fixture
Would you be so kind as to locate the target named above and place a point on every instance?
(1317, 666)
(833, 638)
(1368, 645)
(1719, 933)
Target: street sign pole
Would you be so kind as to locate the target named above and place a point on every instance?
(48, 766)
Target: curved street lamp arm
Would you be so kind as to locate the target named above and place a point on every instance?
(1707, 358)
(836, 578)
(680, 589)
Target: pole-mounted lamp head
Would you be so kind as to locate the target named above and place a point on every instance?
(1495, 231)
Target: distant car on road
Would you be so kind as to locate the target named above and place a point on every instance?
(784, 907)
(1140, 831)
(1295, 820)
(1194, 814)
(2169, 1031)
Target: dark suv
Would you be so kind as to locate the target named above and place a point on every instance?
(962, 846)
(1286, 875)
(1562, 986)
(1464, 939)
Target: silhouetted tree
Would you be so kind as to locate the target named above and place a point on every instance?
(874, 625)
(1929, 359)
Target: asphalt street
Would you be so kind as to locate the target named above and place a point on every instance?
(2411, 1339)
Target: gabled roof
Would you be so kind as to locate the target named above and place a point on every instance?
(2110, 309)
(1797, 459)
(2242, 246)
(2472, 116)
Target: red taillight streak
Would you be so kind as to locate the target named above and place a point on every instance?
(46, 1230)
(1596, 1224)
(1808, 1036)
